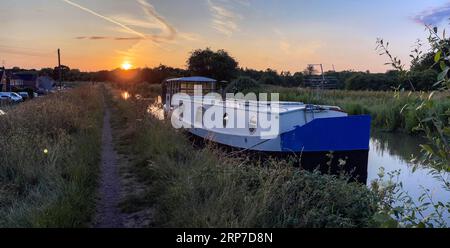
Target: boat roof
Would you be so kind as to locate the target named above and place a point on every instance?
(192, 79)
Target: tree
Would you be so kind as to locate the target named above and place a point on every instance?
(310, 70)
(426, 61)
(64, 72)
(215, 64)
(298, 78)
(271, 77)
(46, 72)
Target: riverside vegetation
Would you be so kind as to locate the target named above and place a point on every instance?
(387, 108)
(49, 159)
(205, 187)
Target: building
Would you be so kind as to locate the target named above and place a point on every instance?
(25, 80)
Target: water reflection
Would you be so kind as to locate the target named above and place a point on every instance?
(125, 95)
(156, 109)
(394, 152)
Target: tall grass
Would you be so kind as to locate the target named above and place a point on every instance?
(190, 187)
(49, 154)
(384, 107)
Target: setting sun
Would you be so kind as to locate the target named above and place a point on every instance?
(126, 65)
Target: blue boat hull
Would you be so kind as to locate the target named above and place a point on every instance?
(350, 133)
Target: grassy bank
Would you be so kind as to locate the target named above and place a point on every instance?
(384, 107)
(190, 187)
(49, 155)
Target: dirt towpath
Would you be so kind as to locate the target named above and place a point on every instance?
(108, 214)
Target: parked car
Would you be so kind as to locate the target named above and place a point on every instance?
(24, 95)
(12, 96)
(5, 99)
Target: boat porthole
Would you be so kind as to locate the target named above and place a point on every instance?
(225, 120)
(253, 124)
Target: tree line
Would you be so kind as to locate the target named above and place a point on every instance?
(223, 67)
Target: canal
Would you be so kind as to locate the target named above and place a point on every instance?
(393, 152)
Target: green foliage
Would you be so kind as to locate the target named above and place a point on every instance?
(243, 84)
(420, 80)
(366, 81)
(433, 119)
(272, 77)
(215, 64)
(397, 209)
(424, 80)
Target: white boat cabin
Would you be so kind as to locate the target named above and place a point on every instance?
(187, 85)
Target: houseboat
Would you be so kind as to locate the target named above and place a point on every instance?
(319, 135)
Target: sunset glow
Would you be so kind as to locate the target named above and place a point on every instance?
(126, 66)
(282, 35)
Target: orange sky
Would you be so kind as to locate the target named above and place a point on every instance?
(287, 35)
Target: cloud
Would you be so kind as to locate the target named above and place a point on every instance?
(225, 20)
(300, 48)
(151, 12)
(167, 31)
(107, 38)
(297, 48)
(98, 38)
(434, 16)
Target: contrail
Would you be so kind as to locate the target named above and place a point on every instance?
(148, 9)
(105, 18)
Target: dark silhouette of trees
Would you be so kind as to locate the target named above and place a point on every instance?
(309, 70)
(221, 66)
(215, 64)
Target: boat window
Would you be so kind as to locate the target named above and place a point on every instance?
(225, 120)
(253, 124)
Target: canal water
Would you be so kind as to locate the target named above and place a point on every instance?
(393, 152)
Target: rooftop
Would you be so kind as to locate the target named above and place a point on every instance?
(192, 79)
(26, 75)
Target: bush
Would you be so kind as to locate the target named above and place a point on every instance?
(243, 84)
